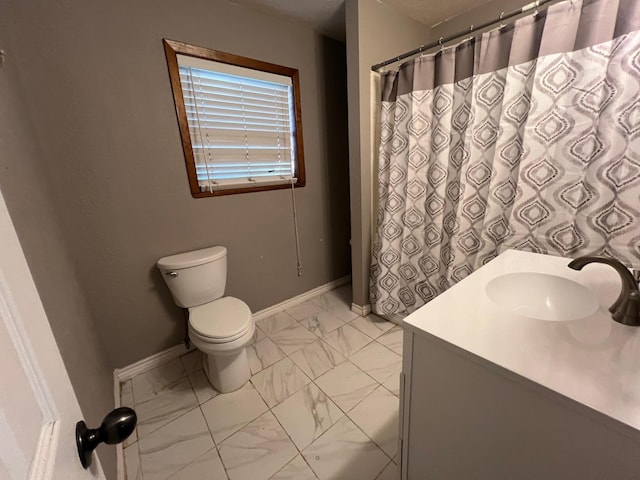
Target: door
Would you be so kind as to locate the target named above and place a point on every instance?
(38, 408)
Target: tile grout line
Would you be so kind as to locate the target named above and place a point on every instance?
(312, 381)
(334, 402)
(289, 463)
(374, 442)
(387, 388)
(380, 384)
(319, 436)
(371, 439)
(381, 471)
(183, 467)
(215, 444)
(174, 418)
(170, 421)
(198, 405)
(296, 366)
(352, 408)
(383, 345)
(279, 350)
(291, 440)
(359, 402)
(345, 413)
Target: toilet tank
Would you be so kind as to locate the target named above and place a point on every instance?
(197, 277)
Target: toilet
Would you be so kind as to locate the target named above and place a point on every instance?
(220, 327)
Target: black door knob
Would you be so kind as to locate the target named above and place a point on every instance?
(116, 427)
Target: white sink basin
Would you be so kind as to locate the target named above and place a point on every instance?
(541, 296)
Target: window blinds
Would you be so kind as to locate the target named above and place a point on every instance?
(240, 123)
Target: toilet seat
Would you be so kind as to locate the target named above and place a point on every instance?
(221, 321)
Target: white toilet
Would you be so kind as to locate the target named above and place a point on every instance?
(221, 327)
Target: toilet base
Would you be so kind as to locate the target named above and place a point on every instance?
(229, 371)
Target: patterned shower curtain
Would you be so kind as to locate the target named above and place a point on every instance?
(526, 137)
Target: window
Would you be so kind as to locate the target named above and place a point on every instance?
(239, 121)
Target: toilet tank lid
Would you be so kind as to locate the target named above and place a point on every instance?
(192, 259)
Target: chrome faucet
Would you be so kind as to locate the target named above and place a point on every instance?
(626, 309)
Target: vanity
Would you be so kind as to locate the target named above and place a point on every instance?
(489, 390)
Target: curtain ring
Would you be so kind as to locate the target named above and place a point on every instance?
(502, 25)
(535, 12)
(441, 44)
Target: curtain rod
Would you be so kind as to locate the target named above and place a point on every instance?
(441, 41)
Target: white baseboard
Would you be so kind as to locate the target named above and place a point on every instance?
(303, 297)
(130, 371)
(361, 310)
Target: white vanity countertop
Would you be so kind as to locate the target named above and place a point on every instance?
(594, 361)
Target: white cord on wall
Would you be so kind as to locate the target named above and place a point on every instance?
(295, 226)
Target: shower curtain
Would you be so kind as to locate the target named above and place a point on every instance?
(525, 137)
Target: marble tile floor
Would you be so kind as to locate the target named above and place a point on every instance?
(322, 403)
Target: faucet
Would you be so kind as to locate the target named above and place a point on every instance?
(626, 309)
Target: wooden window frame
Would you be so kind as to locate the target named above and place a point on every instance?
(172, 49)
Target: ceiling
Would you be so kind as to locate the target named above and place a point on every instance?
(327, 16)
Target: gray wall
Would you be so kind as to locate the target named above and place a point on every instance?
(476, 16)
(487, 12)
(96, 85)
(375, 32)
(28, 198)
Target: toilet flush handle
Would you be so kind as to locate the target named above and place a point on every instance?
(172, 274)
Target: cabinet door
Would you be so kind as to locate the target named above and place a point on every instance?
(470, 419)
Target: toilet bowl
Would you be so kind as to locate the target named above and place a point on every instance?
(220, 327)
(221, 330)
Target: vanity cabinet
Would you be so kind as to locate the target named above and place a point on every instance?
(462, 418)
(492, 397)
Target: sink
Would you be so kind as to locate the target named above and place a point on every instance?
(542, 296)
